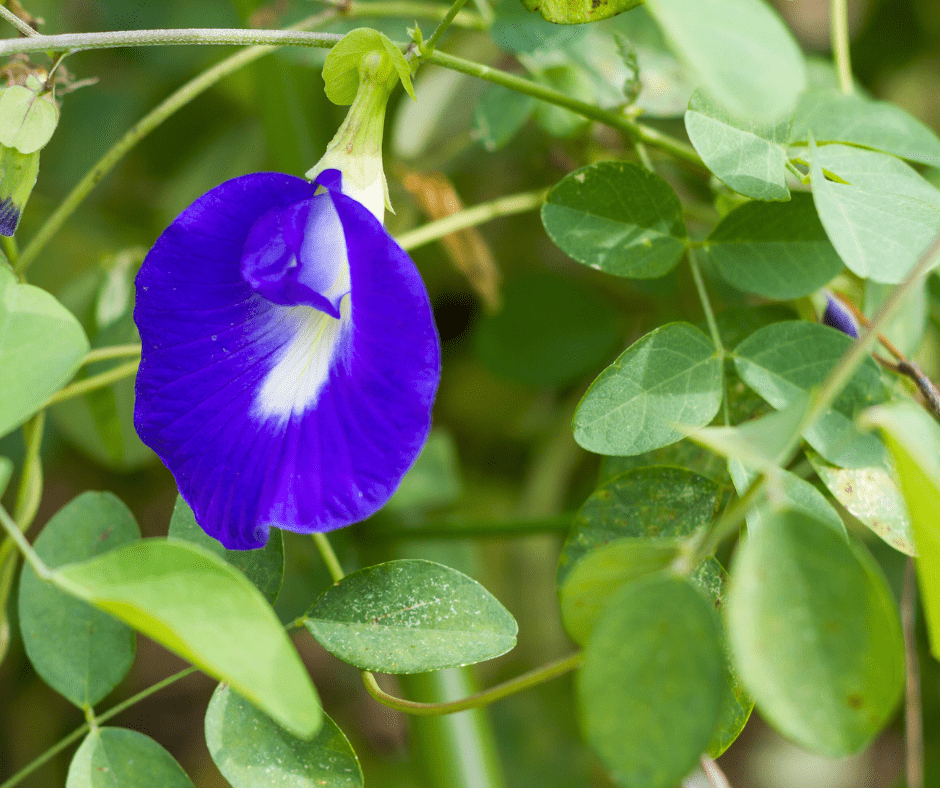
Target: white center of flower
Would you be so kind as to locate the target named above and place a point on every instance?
(312, 338)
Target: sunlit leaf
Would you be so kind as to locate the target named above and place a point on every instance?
(410, 616)
(573, 12)
(660, 387)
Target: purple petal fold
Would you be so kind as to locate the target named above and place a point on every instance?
(290, 358)
(838, 316)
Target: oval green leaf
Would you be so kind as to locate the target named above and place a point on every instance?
(27, 118)
(872, 496)
(829, 116)
(739, 50)
(617, 217)
(410, 616)
(264, 567)
(41, 346)
(79, 651)
(650, 503)
(775, 250)
(746, 156)
(592, 581)
(120, 758)
(191, 601)
(815, 634)
(786, 360)
(576, 12)
(252, 751)
(664, 384)
(879, 235)
(914, 440)
(652, 682)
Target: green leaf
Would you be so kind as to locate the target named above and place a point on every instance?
(515, 29)
(341, 69)
(79, 651)
(664, 503)
(739, 50)
(574, 12)
(711, 579)
(789, 359)
(661, 386)
(500, 113)
(245, 744)
(18, 172)
(27, 118)
(815, 634)
(872, 496)
(876, 171)
(787, 491)
(617, 217)
(434, 479)
(652, 682)
(878, 234)
(410, 616)
(746, 156)
(829, 116)
(550, 331)
(775, 250)
(914, 440)
(6, 471)
(264, 567)
(41, 346)
(189, 600)
(121, 758)
(592, 580)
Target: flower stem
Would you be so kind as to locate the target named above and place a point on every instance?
(94, 382)
(540, 675)
(79, 732)
(329, 557)
(427, 47)
(839, 32)
(142, 128)
(14, 533)
(471, 217)
(113, 351)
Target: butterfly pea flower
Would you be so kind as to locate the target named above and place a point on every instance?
(839, 317)
(290, 357)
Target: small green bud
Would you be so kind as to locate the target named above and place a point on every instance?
(18, 173)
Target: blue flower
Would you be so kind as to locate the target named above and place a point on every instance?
(839, 317)
(290, 358)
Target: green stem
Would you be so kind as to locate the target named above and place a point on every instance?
(471, 217)
(839, 31)
(114, 351)
(94, 382)
(427, 47)
(329, 557)
(30, 490)
(13, 531)
(706, 302)
(18, 23)
(540, 675)
(142, 128)
(8, 244)
(79, 732)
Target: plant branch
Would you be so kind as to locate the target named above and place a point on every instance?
(79, 732)
(540, 675)
(839, 32)
(427, 47)
(14, 533)
(471, 217)
(18, 23)
(706, 302)
(113, 351)
(94, 382)
(913, 712)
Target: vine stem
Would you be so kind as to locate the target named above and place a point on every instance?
(113, 351)
(913, 712)
(539, 675)
(13, 531)
(471, 217)
(427, 47)
(18, 23)
(329, 557)
(101, 718)
(839, 32)
(706, 301)
(30, 490)
(94, 382)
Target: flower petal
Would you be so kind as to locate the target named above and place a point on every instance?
(299, 394)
